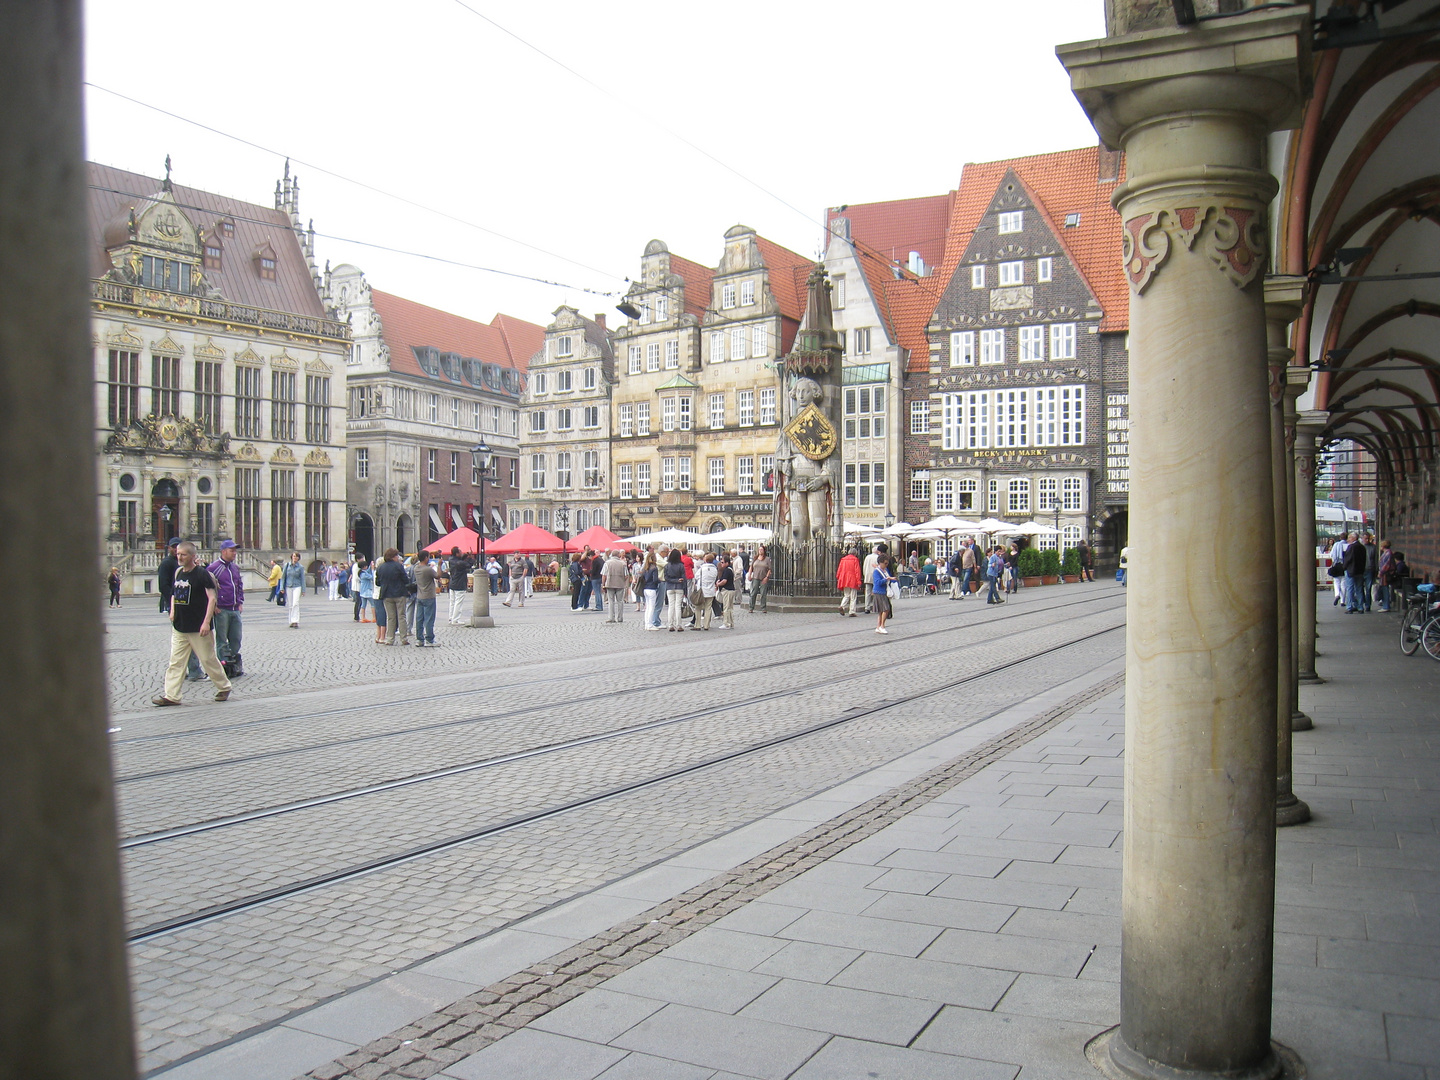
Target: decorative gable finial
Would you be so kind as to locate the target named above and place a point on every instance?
(166, 186)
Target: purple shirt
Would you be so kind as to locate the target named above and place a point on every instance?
(229, 584)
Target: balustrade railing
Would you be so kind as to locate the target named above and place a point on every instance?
(115, 292)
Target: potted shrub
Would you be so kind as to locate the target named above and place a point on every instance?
(1029, 567)
(1050, 567)
(1070, 566)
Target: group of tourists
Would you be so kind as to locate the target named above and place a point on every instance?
(1363, 572)
(671, 588)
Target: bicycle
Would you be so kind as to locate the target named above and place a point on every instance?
(1418, 619)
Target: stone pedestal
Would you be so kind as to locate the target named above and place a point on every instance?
(480, 598)
(1308, 425)
(64, 1007)
(1191, 108)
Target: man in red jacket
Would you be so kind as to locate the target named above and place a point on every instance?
(847, 580)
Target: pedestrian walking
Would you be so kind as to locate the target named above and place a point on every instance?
(165, 574)
(332, 581)
(229, 604)
(868, 576)
(1384, 575)
(365, 590)
(880, 582)
(1337, 569)
(760, 580)
(517, 583)
(597, 585)
(674, 590)
(725, 593)
(576, 576)
(1372, 561)
(650, 587)
(1087, 562)
(847, 580)
(706, 573)
(113, 581)
(1011, 555)
(293, 582)
(427, 577)
(529, 576)
(613, 578)
(994, 570)
(276, 573)
(354, 574)
(192, 612)
(459, 588)
(1354, 575)
(392, 589)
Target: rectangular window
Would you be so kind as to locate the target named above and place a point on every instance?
(747, 293)
(662, 308)
(282, 406)
(672, 354)
(642, 418)
(685, 478)
(430, 465)
(739, 340)
(454, 467)
(1073, 495)
(562, 470)
(717, 476)
(977, 276)
(992, 346)
(685, 419)
(993, 497)
(767, 405)
(1046, 494)
(537, 421)
(920, 485)
(862, 341)
(962, 348)
(759, 341)
(865, 412)
(168, 274)
(165, 385)
(540, 383)
(1012, 273)
(642, 480)
(652, 356)
(537, 472)
(514, 474)
(317, 509)
(727, 295)
(1012, 222)
(494, 424)
(514, 422)
(635, 353)
(475, 473)
(124, 387)
(745, 407)
(1032, 343)
(1011, 418)
(667, 474)
(1072, 415)
(247, 401)
(562, 382)
(317, 409)
(282, 508)
(1044, 269)
(837, 292)
(920, 418)
(247, 508)
(745, 475)
(850, 484)
(432, 408)
(627, 420)
(1062, 341)
(717, 346)
(667, 414)
(944, 496)
(1043, 415)
(362, 463)
(590, 468)
(564, 419)
(977, 420)
(717, 411)
(454, 411)
(475, 415)
(767, 473)
(627, 481)
(1019, 497)
(952, 421)
(207, 395)
(965, 493)
(564, 345)
(588, 379)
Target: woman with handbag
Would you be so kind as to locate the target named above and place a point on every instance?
(883, 588)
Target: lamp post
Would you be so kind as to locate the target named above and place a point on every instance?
(481, 458)
(889, 519)
(165, 514)
(562, 521)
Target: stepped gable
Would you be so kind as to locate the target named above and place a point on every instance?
(113, 192)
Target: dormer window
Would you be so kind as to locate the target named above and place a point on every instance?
(226, 228)
(168, 274)
(265, 262)
(213, 253)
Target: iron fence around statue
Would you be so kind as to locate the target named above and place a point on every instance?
(805, 569)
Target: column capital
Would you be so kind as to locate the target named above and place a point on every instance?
(1309, 423)
(1256, 64)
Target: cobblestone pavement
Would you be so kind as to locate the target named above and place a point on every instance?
(338, 715)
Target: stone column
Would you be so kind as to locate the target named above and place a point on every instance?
(64, 1005)
(1297, 381)
(1284, 297)
(1308, 425)
(1191, 108)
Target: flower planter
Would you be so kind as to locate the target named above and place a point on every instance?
(1049, 579)
(1071, 579)
(1031, 582)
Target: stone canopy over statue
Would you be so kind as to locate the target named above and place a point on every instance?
(807, 454)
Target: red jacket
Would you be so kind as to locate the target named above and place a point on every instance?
(848, 574)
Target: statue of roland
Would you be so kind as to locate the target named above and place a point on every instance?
(806, 460)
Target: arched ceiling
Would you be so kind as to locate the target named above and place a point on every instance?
(1362, 200)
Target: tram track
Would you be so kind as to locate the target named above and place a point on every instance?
(585, 698)
(356, 870)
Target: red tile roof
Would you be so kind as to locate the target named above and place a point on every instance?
(113, 192)
(506, 340)
(697, 283)
(788, 275)
(1060, 183)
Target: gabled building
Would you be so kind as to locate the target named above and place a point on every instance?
(423, 387)
(565, 428)
(219, 368)
(696, 405)
(1027, 369)
(881, 259)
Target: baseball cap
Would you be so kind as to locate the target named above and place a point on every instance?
(175, 541)
(224, 544)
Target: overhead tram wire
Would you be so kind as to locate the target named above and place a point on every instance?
(358, 183)
(370, 244)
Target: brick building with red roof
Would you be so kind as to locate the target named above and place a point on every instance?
(424, 386)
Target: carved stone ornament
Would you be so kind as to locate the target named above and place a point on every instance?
(812, 434)
(283, 455)
(175, 435)
(248, 453)
(317, 459)
(1232, 237)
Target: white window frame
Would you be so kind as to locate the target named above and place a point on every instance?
(1073, 495)
(920, 417)
(564, 473)
(717, 346)
(951, 416)
(667, 474)
(727, 295)
(962, 348)
(745, 476)
(716, 411)
(588, 379)
(686, 416)
(564, 345)
(1011, 221)
(672, 354)
(563, 381)
(976, 420)
(862, 340)
(1045, 269)
(1010, 418)
(993, 496)
(662, 308)
(362, 463)
(627, 420)
(1047, 492)
(747, 293)
(1032, 343)
(590, 418)
(642, 418)
(540, 383)
(1012, 273)
(564, 419)
(837, 293)
(627, 480)
(590, 468)
(977, 276)
(739, 342)
(685, 481)
(716, 469)
(1062, 341)
(943, 500)
(920, 485)
(767, 405)
(1072, 416)
(759, 340)
(668, 413)
(745, 407)
(992, 346)
(652, 356)
(537, 472)
(1017, 498)
(963, 488)
(642, 480)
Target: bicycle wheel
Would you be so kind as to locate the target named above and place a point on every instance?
(1410, 624)
(1430, 636)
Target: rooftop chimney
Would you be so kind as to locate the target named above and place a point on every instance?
(600, 319)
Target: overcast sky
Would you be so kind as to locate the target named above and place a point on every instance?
(817, 104)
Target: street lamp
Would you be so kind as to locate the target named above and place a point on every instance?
(889, 519)
(562, 521)
(481, 458)
(166, 512)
